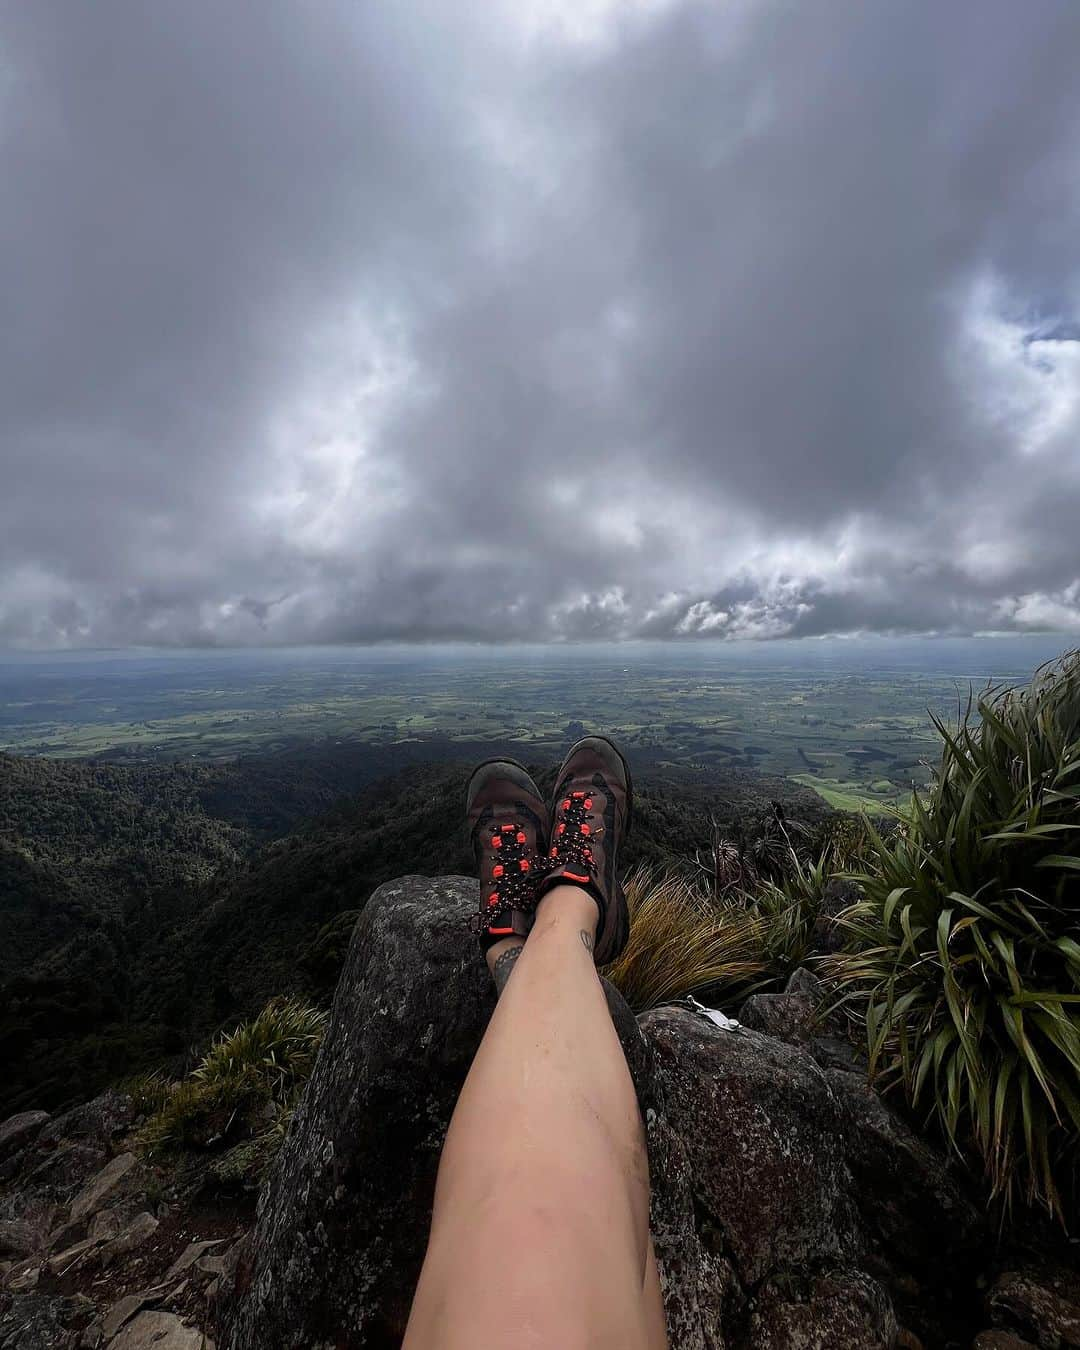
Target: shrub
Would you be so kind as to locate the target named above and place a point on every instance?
(259, 1067)
(682, 941)
(966, 959)
(148, 1091)
(277, 1050)
(201, 1115)
(789, 910)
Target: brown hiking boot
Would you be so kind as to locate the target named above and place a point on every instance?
(590, 815)
(508, 826)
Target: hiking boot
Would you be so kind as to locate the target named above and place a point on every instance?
(590, 817)
(508, 826)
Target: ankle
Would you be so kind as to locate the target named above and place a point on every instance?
(572, 906)
(501, 957)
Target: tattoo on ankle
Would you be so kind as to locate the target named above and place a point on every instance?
(587, 940)
(504, 967)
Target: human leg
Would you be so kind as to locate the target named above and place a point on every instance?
(540, 1229)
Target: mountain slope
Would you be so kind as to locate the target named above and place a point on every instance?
(144, 905)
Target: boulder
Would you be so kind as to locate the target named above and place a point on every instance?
(846, 1311)
(95, 1122)
(141, 1227)
(761, 1132)
(342, 1222)
(927, 1239)
(791, 1016)
(18, 1131)
(159, 1331)
(790, 1207)
(1041, 1305)
(99, 1187)
(123, 1310)
(59, 1174)
(39, 1322)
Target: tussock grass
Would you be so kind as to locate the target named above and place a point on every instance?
(965, 950)
(682, 940)
(276, 1050)
(251, 1074)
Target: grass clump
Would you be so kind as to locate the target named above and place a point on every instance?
(277, 1049)
(789, 910)
(965, 949)
(682, 940)
(246, 1084)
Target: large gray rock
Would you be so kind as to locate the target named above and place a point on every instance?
(926, 1238)
(761, 1130)
(763, 1164)
(100, 1187)
(1043, 1305)
(839, 1311)
(342, 1223)
(17, 1131)
(95, 1122)
(39, 1322)
(753, 1216)
(61, 1173)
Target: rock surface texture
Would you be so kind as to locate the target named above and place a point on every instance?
(342, 1224)
(90, 1266)
(790, 1207)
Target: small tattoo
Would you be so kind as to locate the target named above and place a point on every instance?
(504, 967)
(587, 940)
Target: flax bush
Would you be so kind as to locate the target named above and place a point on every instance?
(965, 950)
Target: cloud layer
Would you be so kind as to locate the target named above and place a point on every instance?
(537, 320)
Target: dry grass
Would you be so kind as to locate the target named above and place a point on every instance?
(682, 940)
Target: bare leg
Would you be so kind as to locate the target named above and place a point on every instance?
(540, 1233)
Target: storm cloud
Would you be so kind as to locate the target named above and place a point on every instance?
(537, 319)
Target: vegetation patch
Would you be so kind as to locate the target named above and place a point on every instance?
(965, 950)
(682, 940)
(242, 1093)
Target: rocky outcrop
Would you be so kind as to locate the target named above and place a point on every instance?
(791, 1208)
(84, 1263)
(1043, 1305)
(19, 1130)
(342, 1224)
(95, 1123)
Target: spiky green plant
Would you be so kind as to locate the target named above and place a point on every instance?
(201, 1115)
(789, 910)
(965, 952)
(277, 1048)
(262, 1062)
(148, 1091)
(682, 941)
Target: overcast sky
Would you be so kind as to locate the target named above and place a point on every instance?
(537, 319)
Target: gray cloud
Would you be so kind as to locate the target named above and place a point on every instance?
(537, 320)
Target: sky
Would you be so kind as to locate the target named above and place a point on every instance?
(537, 320)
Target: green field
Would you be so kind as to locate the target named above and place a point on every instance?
(853, 729)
